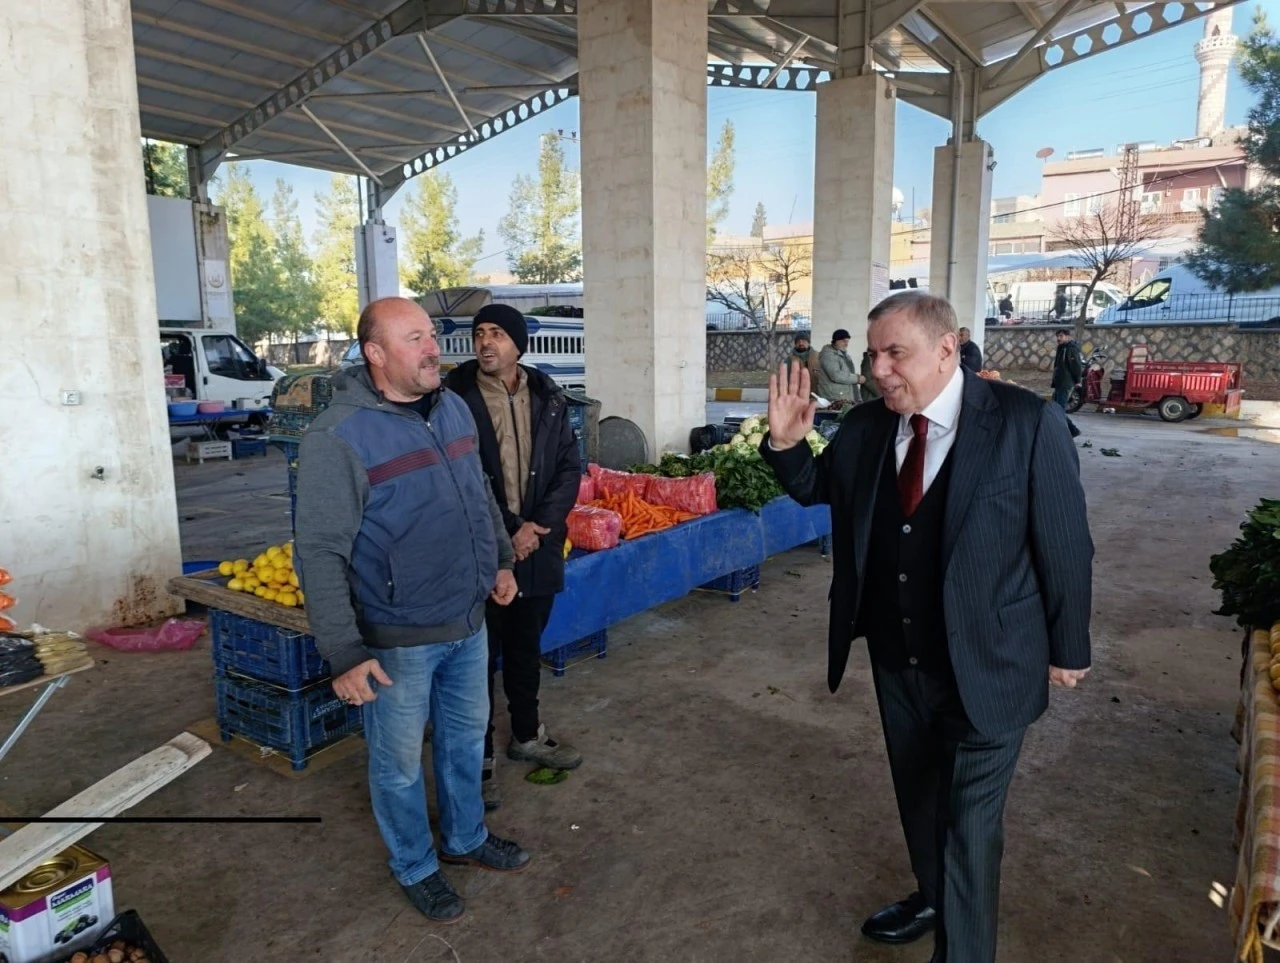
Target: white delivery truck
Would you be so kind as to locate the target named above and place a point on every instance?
(1041, 301)
(215, 366)
(1176, 295)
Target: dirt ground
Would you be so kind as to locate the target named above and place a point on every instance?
(730, 808)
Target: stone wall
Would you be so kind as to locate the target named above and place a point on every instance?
(1028, 347)
(744, 350)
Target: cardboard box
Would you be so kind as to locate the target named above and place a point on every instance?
(59, 907)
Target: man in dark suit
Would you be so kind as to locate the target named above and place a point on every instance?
(962, 554)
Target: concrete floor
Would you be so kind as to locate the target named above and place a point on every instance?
(730, 809)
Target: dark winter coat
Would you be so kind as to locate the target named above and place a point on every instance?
(554, 472)
(1068, 366)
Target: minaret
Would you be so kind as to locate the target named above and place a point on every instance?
(1214, 54)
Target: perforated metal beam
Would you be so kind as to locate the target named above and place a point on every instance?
(526, 110)
(999, 84)
(411, 16)
(755, 75)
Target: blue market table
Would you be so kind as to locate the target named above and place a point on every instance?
(720, 551)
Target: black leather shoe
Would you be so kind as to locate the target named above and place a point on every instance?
(903, 922)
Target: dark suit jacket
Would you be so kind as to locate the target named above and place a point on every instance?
(1017, 555)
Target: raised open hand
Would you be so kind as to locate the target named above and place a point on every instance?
(790, 409)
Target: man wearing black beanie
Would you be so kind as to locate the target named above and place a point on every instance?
(529, 452)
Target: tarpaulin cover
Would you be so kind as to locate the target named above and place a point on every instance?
(603, 588)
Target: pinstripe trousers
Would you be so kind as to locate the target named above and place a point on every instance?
(951, 784)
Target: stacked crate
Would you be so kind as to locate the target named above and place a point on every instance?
(274, 689)
(295, 403)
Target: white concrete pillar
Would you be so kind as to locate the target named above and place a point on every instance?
(852, 205)
(377, 264)
(643, 109)
(967, 290)
(79, 315)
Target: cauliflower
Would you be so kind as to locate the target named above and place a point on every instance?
(737, 440)
(755, 439)
(750, 426)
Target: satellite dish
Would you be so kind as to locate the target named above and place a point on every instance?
(1044, 153)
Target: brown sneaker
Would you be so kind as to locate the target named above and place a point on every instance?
(544, 751)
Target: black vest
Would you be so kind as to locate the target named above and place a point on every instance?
(902, 606)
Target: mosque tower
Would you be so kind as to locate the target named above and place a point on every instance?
(1214, 54)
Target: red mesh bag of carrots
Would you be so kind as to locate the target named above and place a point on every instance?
(696, 495)
(610, 482)
(5, 577)
(586, 489)
(594, 529)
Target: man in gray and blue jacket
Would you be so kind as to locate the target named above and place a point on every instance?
(399, 543)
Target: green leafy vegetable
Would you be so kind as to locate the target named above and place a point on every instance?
(1248, 573)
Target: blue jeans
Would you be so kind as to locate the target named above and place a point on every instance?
(448, 683)
(1061, 396)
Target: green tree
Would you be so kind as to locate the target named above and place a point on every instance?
(435, 255)
(1240, 238)
(720, 180)
(540, 227)
(165, 167)
(298, 296)
(759, 221)
(335, 260)
(255, 276)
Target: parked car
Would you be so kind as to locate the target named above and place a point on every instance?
(1178, 295)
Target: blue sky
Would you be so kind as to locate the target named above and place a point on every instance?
(1144, 91)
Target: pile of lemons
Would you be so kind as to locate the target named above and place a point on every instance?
(270, 576)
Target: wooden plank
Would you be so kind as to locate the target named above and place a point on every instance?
(123, 789)
(199, 587)
(46, 679)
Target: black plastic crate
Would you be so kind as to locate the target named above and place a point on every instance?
(264, 651)
(735, 583)
(127, 926)
(295, 724)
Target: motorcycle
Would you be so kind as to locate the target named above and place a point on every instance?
(1090, 390)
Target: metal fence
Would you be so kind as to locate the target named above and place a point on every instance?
(737, 321)
(1179, 309)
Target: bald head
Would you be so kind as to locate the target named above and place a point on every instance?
(375, 311)
(398, 341)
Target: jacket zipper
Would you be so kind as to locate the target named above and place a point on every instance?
(475, 565)
(515, 430)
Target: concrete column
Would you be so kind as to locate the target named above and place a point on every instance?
(967, 290)
(377, 267)
(643, 109)
(853, 204)
(79, 316)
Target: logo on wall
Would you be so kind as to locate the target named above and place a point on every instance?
(217, 291)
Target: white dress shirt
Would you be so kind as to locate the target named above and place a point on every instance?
(944, 416)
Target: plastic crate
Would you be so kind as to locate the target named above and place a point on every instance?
(735, 583)
(593, 646)
(245, 447)
(265, 652)
(127, 926)
(296, 724)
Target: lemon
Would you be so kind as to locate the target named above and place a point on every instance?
(280, 577)
(287, 599)
(270, 594)
(239, 565)
(293, 579)
(260, 591)
(260, 561)
(226, 568)
(302, 598)
(251, 583)
(288, 548)
(236, 585)
(275, 551)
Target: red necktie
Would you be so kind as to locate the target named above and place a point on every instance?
(911, 475)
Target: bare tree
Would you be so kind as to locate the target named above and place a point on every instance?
(758, 282)
(1103, 240)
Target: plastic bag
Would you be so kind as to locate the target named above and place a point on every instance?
(696, 495)
(5, 577)
(610, 482)
(7, 601)
(586, 490)
(174, 635)
(594, 529)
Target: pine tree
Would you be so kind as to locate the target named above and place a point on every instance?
(335, 260)
(720, 180)
(434, 253)
(758, 222)
(540, 227)
(298, 297)
(1240, 239)
(255, 276)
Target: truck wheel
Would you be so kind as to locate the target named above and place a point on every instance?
(1174, 408)
(1075, 401)
(1195, 411)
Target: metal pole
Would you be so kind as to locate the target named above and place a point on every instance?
(334, 137)
(26, 720)
(426, 49)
